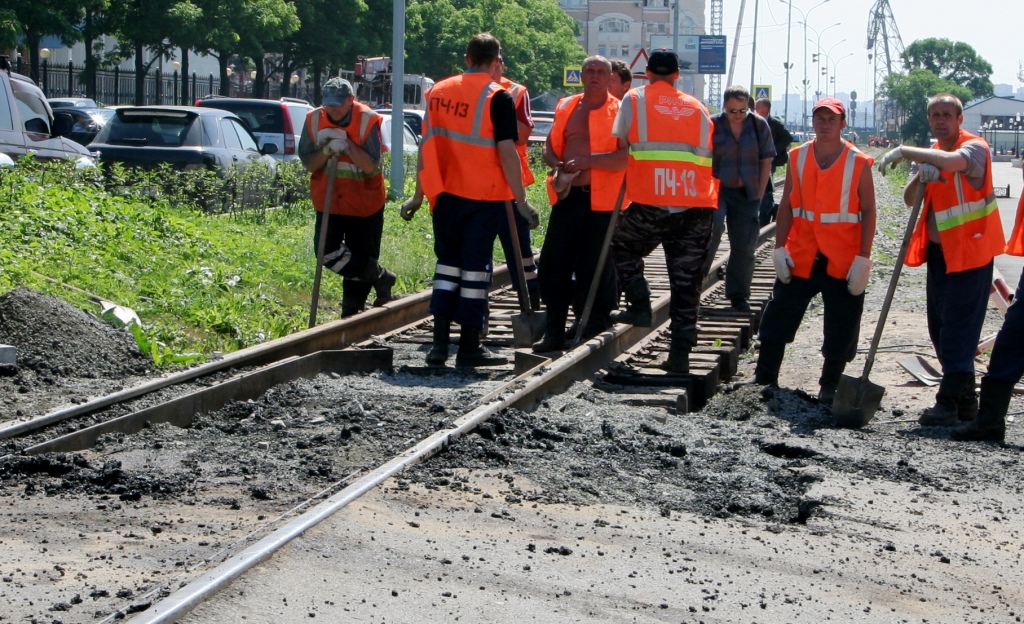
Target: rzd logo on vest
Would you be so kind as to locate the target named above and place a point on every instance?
(674, 107)
(668, 181)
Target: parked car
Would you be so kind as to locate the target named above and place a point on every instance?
(277, 122)
(410, 142)
(185, 137)
(542, 122)
(413, 118)
(72, 103)
(87, 122)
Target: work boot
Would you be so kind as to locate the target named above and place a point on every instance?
(967, 406)
(554, 332)
(944, 412)
(438, 354)
(769, 361)
(990, 425)
(385, 280)
(472, 354)
(350, 306)
(638, 305)
(534, 299)
(678, 360)
(828, 383)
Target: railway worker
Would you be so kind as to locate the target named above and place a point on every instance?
(823, 239)
(673, 195)
(581, 148)
(350, 131)
(958, 236)
(781, 138)
(622, 79)
(468, 167)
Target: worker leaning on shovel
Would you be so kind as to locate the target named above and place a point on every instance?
(959, 236)
(823, 239)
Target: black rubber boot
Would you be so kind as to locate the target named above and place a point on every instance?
(831, 373)
(351, 306)
(944, 412)
(438, 354)
(769, 361)
(990, 425)
(382, 279)
(678, 360)
(554, 332)
(967, 406)
(472, 354)
(638, 305)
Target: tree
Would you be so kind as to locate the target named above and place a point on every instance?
(953, 61)
(38, 18)
(911, 93)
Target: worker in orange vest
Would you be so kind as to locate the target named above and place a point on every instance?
(674, 196)
(1006, 365)
(823, 239)
(958, 235)
(468, 167)
(350, 131)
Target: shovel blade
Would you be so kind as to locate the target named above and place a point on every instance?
(856, 402)
(528, 328)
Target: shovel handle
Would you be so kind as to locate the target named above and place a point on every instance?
(332, 171)
(517, 250)
(588, 307)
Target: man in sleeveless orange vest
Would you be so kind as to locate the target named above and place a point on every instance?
(823, 239)
(581, 145)
(350, 131)
(673, 195)
(468, 167)
(958, 235)
(1006, 366)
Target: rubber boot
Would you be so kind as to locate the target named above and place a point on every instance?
(967, 406)
(769, 362)
(678, 360)
(638, 305)
(990, 425)
(554, 332)
(831, 373)
(382, 279)
(944, 412)
(350, 306)
(472, 353)
(438, 354)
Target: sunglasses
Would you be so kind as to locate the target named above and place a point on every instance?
(736, 111)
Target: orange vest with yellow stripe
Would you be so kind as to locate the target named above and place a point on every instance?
(970, 231)
(355, 193)
(459, 153)
(519, 93)
(669, 149)
(826, 210)
(604, 183)
(1015, 246)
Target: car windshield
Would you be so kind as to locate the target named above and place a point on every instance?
(260, 117)
(152, 128)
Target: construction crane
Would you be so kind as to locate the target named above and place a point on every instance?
(715, 82)
(886, 48)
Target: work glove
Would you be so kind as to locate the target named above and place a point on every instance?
(529, 213)
(783, 263)
(928, 173)
(336, 147)
(410, 206)
(890, 159)
(324, 136)
(857, 278)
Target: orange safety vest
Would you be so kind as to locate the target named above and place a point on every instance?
(459, 152)
(355, 193)
(604, 183)
(1015, 246)
(669, 149)
(519, 93)
(826, 210)
(970, 231)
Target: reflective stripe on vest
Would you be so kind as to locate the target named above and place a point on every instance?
(965, 211)
(645, 149)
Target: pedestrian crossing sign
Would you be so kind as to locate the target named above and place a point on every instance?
(573, 77)
(763, 91)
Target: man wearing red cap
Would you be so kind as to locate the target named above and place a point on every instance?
(823, 238)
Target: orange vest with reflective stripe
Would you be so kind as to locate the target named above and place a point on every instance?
(355, 193)
(519, 93)
(604, 184)
(669, 149)
(460, 155)
(970, 231)
(1015, 246)
(826, 210)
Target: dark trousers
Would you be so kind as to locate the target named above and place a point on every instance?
(786, 309)
(766, 211)
(572, 246)
(362, 236)
(957, 303)
(526, 251)
(740, 215)
(1007, 363)
(464, 232)
(684, 236)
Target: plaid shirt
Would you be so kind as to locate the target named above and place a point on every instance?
(737, 163)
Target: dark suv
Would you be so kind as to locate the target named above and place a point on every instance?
(278, 122)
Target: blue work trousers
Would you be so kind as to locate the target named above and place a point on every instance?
(957, 303)
(1007, 363)
(741, 216)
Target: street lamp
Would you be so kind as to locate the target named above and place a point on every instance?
(806, 81)
(175, 66)
(803, 124)
(45, 55)
(835, 71)
(824, 60)
(295, 85)
(1016, 138)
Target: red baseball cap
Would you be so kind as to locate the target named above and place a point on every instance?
(830, 103)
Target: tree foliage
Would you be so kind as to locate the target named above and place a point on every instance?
(954, 61)
(911, 93)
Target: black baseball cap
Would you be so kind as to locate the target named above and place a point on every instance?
(663, 62)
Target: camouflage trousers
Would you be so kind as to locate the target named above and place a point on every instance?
(684, 236)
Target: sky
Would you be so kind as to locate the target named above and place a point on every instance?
(991, 27)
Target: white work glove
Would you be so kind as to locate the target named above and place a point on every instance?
(336, 147)
(324, 136)
(410, 206)
(928, 173)
(857, 278)
(529, 213)
(890, 159)
(783, 263)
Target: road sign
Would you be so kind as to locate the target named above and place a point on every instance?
(572, 77)
(763, 91)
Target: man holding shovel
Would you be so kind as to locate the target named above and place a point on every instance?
(823, 239)
(958, 235)
(590, 166)
(348, 133)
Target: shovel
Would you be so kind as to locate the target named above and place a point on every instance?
(332, 172)
(588, 307)
(857, 399)
(528, 326)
